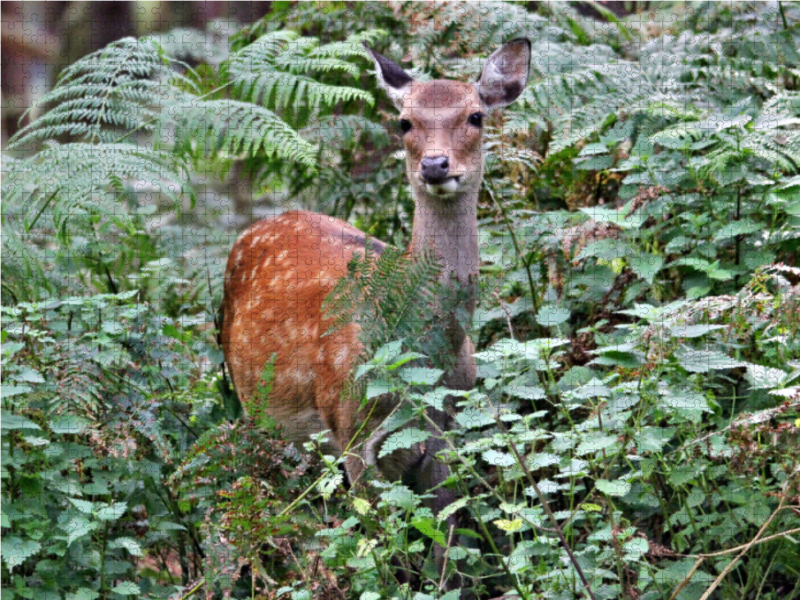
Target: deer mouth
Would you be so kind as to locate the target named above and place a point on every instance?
(445, 187)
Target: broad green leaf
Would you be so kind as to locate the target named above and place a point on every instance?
(646, 265)
(129, 544)
(405, 438)
(499, 459)
(509, 526)
(64, 424)
(427, 527)
(378, 387)
(764, 377)
(685, 400)
(9, 420)
(83, 594)
(112, 512)
(528, 392)
(736, 228)
(692, 331)
(550, 316)
(613, 488)
(15, 550)
(126, 588)
(421, 375)
(636, 548)
(595, 443)
(703, 361)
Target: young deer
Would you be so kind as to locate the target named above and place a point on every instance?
(280, 270)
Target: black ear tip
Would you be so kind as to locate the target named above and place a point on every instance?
(521, 40)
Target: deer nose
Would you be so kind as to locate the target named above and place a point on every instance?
(435, 169)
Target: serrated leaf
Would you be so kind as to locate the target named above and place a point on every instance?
(421, 375)
(692, 331)
(129, 544)
(64, 424)
(685, 400)
(613, 488)
(764, 377)
(509, 526)
(427, 527)
(83, 594)
(378, 387)
(9, 420)
(15, 550)
(736, 228)
(499, 459)
(528, 392)
(405, 438)
(126, 588)
(82, 505)
(550, 316)
(703, 361)
(646, 266)
(112, 512)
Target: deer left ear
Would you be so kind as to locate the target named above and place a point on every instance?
(505, 73)
(392, 77)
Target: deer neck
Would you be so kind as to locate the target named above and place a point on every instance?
(449, 227)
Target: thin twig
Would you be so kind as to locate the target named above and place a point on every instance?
(508, 315)
(446, 556)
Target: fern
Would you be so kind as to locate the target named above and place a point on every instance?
(392, 297)
(231, 129)
(270, 72)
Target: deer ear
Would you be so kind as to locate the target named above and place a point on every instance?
(505, 73)
(392, 77)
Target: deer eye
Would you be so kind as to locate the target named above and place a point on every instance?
(405, 125)
(476, 119)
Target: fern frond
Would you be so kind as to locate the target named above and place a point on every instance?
(114, 89)
(234, 128)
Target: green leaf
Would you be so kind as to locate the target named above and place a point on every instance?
(69, 424)
(15, 550)
(613, 488)
(742, 227)
(6, 391)
(378, 387)
(29, 375)
(595, 443)
(646, 265)
(78, 526)
(499, 459)
(528, 392)
(761, 378)
(703, 361)
(129, 544)
(685, 400)
(421, 375)
(400, 496)
(82, 505)
(9, 420)
(653, 439)
(405, 438)
(636, 548)
(427, 527)
(83, 594)
(126, 588)
(550, 316)
(692, 331)
(112, 512)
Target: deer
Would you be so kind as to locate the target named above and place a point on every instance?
(281, 269)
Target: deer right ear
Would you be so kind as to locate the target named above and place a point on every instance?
(392, 77)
